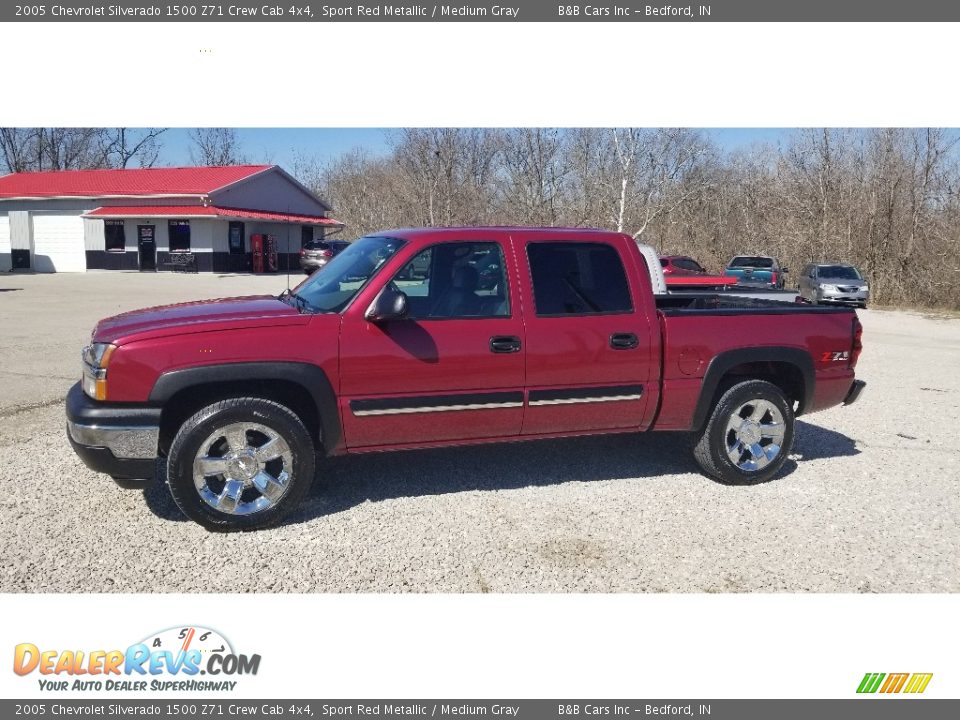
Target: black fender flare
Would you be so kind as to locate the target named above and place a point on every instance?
(311, 377)
(723, 362)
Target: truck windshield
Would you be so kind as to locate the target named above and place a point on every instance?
(752, 261)
(840, 272)
(333, 287)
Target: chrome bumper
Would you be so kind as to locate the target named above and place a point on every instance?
(862, 296)
(135, 443)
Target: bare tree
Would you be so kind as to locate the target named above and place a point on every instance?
(216, 147)
(19, 148)
(886, 200)
(535, 174)
(122, 146)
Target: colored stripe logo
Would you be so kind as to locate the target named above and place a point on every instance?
(894, 683)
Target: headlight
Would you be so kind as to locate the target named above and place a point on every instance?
(96, 357)
(829, 288)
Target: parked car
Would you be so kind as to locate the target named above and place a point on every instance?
(240, 397)
(757, 271)
(684, 274)
(681, 265)
(834, 283)
(317, 253)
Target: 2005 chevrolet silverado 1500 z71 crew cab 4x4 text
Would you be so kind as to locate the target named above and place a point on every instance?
(423, 338)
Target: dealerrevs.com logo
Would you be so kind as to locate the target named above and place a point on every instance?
(172, 660)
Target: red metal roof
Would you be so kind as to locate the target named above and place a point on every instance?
(139, 181)
(205, 211)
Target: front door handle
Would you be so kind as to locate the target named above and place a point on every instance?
(623, 341)
(504, 344)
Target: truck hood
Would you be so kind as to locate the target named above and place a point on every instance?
(203, 316)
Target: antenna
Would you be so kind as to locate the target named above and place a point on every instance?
(288, 249)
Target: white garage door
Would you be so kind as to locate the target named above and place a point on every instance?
(58, 243)
(5, 261)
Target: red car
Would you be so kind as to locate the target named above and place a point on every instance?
(240, 397)
(681, 265)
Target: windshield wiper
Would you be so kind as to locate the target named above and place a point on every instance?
(299, 301)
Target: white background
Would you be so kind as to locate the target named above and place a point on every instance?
(352, 75)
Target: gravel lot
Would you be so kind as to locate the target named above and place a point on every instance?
(869, 502)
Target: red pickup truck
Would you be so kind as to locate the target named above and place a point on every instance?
(424, 338)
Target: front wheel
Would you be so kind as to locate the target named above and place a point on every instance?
(748, 436)
(240, 464)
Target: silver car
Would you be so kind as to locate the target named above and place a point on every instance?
(834, 283)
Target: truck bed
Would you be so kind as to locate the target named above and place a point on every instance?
(731, 304)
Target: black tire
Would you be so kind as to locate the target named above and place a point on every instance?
(272, 416)
(713, 441)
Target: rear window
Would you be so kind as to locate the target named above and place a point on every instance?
(578, 279)
(316, 245)
(751, 261)
(840, 272)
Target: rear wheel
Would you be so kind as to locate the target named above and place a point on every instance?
(748, 436)
(240, 464)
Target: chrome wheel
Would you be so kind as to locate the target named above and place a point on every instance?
(754, 435)
(243, 468)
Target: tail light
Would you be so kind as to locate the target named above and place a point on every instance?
(856, 346)
(303, 251)
(773, 278)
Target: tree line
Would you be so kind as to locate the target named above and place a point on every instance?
(885, 199)
(53, 148)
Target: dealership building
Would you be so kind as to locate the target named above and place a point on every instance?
(209, 219)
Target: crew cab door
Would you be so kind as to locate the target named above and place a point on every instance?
(453, 368)
(590, 358)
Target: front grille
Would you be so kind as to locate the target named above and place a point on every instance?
(848, 288)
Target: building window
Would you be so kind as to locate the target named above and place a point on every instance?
(113, 236)
(179, 233)
(578, 279)
(236, 238)
(306, 235)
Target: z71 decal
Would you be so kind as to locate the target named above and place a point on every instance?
(835, 356)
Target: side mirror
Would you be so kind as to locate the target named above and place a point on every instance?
(389, 305)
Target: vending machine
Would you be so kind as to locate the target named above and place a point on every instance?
(264, 251)
(271, 253)
(256, 250)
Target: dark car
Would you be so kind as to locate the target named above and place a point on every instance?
(317, 253)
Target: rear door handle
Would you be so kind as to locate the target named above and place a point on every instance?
(623, 341)
(504, 344)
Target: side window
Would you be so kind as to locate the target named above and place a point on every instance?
(578, 279)
(456, 280)
(686, 264)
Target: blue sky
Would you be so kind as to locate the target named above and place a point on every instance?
(280, 146)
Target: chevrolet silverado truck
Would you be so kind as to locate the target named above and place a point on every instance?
(241, 398)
